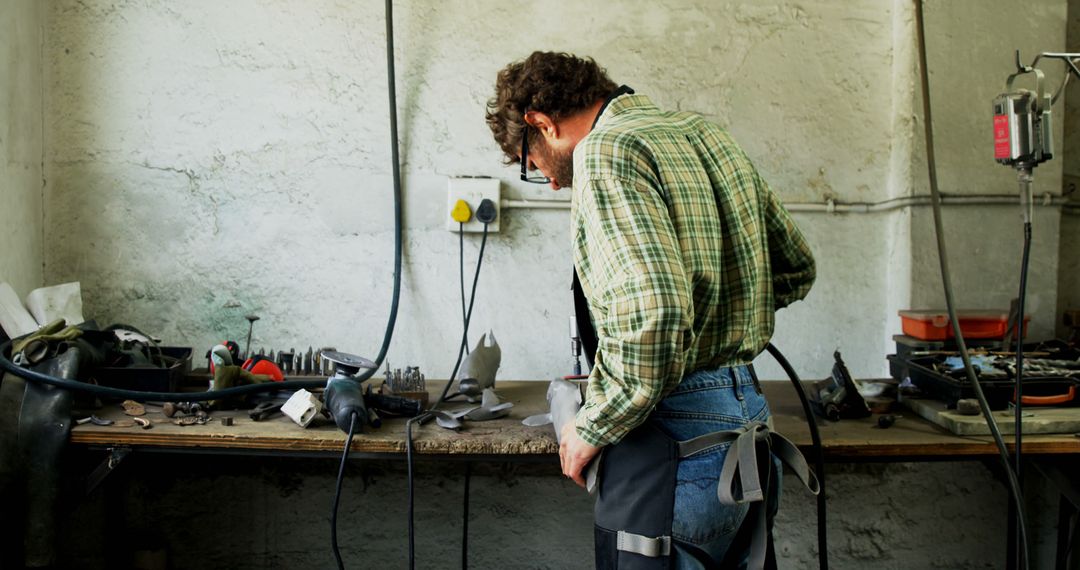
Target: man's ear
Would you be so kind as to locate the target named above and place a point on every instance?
(544, 123)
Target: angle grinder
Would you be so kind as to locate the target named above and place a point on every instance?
(344, 395)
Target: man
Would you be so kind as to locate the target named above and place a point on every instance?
(684, 254)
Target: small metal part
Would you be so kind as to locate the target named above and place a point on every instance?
(227, 421)
(186, 421)
(100, 421)
(82, 421)
(262, 351)
(145, 423)
(169, 409)
(133, 408)
(886, 421)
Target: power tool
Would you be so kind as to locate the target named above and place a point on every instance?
(344, 395)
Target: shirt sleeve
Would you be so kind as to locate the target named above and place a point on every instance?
(640, 302)
(793, 266)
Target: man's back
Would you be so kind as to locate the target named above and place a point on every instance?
(736, 249)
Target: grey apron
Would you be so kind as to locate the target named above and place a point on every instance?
(634, 482)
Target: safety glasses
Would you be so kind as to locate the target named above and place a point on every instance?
(525, 175)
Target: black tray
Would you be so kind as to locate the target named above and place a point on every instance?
(998, 391)
(147, 377)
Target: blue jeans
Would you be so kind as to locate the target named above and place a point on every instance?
(707, 401)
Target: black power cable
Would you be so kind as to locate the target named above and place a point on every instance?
(422, 418)
(819, 455)
(337, 494)
(465, 519)
(1010, 474)
(468, 319)
(461, 277)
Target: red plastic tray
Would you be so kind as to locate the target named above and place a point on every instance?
(934, 324)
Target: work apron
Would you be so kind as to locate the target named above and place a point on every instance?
(634, 482)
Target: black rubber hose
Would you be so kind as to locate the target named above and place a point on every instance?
(939, 232)
(108, 392)
(819, 455)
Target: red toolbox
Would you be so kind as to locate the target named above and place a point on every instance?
(930, 324)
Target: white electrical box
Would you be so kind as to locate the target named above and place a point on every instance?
(473, 191)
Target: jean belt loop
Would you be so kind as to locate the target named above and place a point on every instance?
(753, 376)
(735, 384)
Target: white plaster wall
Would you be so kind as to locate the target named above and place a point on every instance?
(21, 251)
(210, 160)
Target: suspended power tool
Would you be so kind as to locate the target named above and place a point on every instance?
(1023, 127)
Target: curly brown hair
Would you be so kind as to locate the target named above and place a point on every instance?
(557, 84)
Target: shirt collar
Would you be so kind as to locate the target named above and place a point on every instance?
(623, 104)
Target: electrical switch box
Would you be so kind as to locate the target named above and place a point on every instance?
(473, 191)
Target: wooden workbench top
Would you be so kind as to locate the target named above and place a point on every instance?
(910, 438)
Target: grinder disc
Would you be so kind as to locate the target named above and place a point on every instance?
(348, 363)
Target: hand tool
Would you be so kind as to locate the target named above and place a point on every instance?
(171, 408)
(393, 405)
(264, 410)
(838, 396)
(251, 325)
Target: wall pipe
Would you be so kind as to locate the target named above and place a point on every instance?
(837, 207)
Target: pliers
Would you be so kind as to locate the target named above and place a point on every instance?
(264, 410)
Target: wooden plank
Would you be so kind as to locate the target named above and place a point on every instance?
(910, 437)
(1037, 419)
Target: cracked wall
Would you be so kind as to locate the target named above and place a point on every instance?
(21, 253)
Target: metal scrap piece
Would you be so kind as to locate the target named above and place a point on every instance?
(145, 423)
(133, 408)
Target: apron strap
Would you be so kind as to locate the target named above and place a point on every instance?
(644, 545)
(750, 455)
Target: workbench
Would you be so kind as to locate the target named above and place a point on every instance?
(911, 438)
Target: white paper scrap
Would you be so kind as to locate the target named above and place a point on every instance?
(57, 302)
(14, 317)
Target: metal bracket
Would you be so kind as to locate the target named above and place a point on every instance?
(116, 455)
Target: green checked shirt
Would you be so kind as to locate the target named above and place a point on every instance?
(683, 252)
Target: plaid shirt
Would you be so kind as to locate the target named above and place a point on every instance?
(683, 252)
